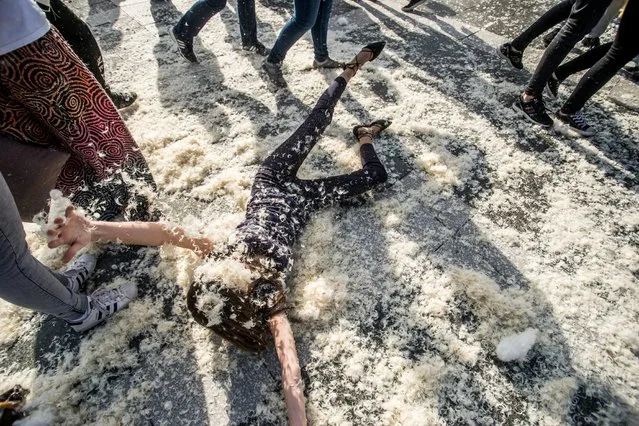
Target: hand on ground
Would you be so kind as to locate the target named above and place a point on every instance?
(74, 232)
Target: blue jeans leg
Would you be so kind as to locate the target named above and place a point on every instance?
(23, 280)
(320, 30)
(304, 17)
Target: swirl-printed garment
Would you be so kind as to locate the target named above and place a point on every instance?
(281, 204)
(49, 97)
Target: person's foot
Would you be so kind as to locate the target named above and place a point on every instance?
(550, 36)
(412, 4)
(274, 72)
(507, 51)
(103, 304)
(370, 130)
(575, 122)
(327, 63)
(256, 47)
(534, 110)
(591, 42)
(552, 87)
(185, 46)
(122, 99)
(78, 272)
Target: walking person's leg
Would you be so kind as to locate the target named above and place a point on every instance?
(555, 15)
(303, 19)
(583, 16)
(580, 63)
(320, 35)
(248, 27)
(81, 39)
(611, 12)
(623, 49)
(191, 23)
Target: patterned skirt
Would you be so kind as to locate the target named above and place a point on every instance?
(49, 97)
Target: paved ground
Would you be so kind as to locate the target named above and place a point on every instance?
(161, 379)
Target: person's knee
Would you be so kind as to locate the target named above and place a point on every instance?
(378, 174)
(216, 4)
(304, 21)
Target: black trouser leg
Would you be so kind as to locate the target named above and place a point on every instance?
(286, 160)
(552, 17)
(248, 21)
(624, 48)
(77, 33)
(582, 62)
(197, 16)
(583, 16)
(321, 192)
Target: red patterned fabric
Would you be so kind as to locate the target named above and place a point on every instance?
(49, 97)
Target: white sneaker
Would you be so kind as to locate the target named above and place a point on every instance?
(105, 303)
(79, 271)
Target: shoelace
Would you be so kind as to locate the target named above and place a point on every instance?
(536, 106)
(108, 298)
(579, 120)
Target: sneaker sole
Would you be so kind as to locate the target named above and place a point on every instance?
(172, 35)
(521, 112)
(566, 130)
(411, 8)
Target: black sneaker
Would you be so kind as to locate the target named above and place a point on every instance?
(576, 123)
(412, 4)
(591, 42)
(552, 87)
(533, 110)
(550, 36)
(185, 46)
(507, 51)
(122, 99)
(256, 47)
(274, 72)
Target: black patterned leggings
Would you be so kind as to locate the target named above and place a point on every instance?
(280, 168)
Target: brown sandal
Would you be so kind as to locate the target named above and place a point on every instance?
(363, 129)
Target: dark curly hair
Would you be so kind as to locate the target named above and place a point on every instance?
(244, 315)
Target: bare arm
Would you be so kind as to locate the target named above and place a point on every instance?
(291, 374)
(77, 231)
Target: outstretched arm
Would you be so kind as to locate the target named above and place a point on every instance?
(77, 231)
(291, 374)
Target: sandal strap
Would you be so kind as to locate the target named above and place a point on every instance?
(354, 64)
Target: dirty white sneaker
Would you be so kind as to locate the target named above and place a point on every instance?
(105, 303)
(78, 272)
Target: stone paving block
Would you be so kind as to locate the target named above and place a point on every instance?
(624, 92)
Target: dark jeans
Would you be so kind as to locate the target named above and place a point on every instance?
(280, 168)
(583, 16)
(203, 10)
(77, 33)
(623, 49)
(23, 280)
(308, 14)
(555, 15)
